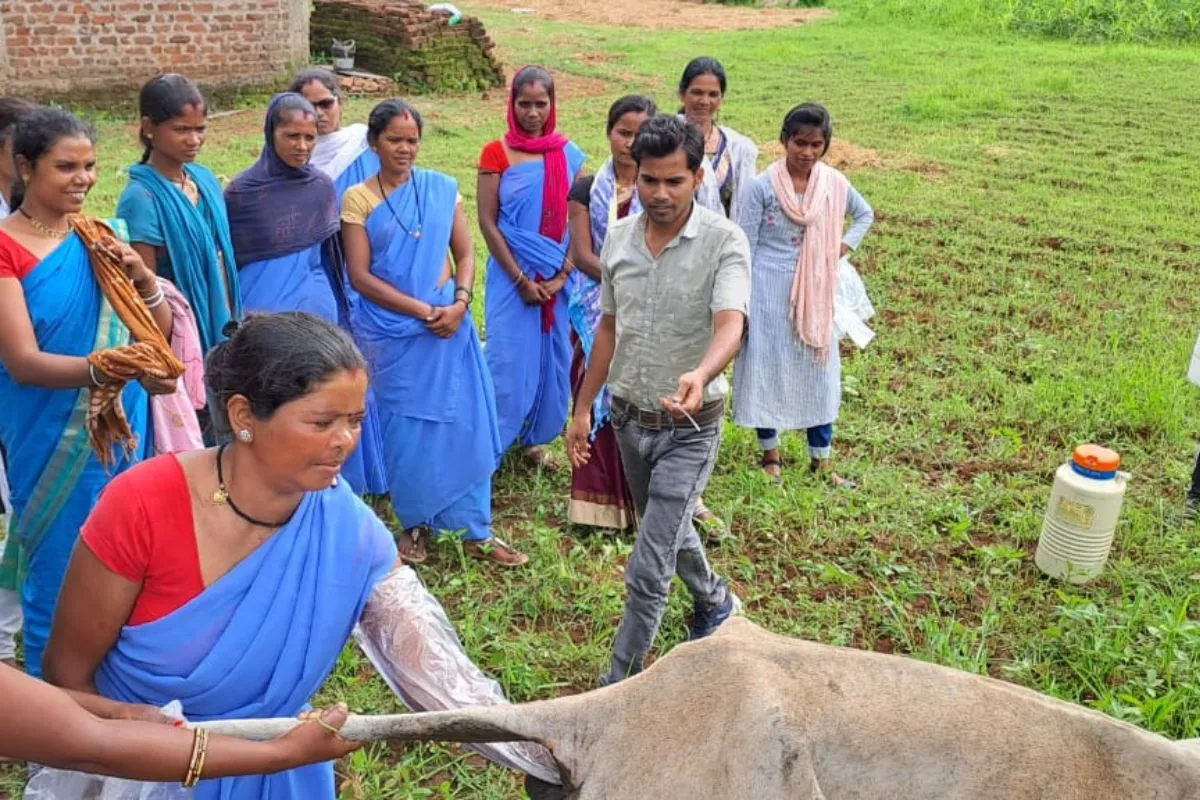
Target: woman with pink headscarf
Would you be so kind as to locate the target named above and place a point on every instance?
(789, 374)
(524, 180)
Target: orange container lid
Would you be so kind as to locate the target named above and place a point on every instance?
(1097, 458)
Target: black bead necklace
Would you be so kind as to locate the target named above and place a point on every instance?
(221, 497)
(412, 178)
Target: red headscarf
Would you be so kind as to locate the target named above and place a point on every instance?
(551, 145)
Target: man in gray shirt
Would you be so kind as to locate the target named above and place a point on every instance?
(675, 288)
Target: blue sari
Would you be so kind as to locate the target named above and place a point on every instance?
(261, 640)
(200, 257)
(531, 369)
(57, 477)
(436, 403)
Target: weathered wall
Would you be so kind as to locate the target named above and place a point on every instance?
(74, 46)
(405, 40)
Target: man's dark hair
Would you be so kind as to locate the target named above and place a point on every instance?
(662, 135)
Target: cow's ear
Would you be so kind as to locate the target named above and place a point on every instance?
(539, 790)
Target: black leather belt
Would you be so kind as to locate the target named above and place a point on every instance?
(662, 420)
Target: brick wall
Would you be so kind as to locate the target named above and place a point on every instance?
(403, 39)
(75, 46)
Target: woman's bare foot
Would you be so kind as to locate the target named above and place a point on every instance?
(497, 550)
(825, 467)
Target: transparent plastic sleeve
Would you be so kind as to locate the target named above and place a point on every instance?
(405, 633)
(59, 784)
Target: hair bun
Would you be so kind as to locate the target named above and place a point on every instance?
(231, 328)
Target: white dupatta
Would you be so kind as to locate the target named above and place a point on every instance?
(336, 151)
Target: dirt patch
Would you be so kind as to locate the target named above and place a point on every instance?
(848, 156)
(660, 14)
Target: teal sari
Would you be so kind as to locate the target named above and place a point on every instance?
(43, 431)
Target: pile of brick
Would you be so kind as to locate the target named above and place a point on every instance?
(405, 40)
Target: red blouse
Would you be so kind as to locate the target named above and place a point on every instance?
(142, 529)
(15, 260)
(493, 158)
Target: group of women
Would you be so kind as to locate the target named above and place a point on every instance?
(126, 347)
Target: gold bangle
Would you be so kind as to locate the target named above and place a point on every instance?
(199, 754)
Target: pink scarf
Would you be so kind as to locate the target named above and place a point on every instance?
(176, 429)
(823, 216)
(551, 144)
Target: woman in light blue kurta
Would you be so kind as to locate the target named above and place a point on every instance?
(174, 208)
(780, 382)
(524, 180)
(413, 320)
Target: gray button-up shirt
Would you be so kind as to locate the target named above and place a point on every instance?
(665, 307)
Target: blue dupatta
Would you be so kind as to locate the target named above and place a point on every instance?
(531, 370)
(261, 640)
(197, 239)
(56, 477)
(583, 302)
(435, 395)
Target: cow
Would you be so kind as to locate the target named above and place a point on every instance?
(749, 715)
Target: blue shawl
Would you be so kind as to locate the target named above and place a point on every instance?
(159, 214)
(276, 210)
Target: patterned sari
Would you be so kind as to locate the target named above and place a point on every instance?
(60, 476)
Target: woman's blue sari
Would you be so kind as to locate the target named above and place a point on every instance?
(200, 257)
(284, 222)
(56, 477)
(261, 640)
(436, 403)
(531, 369)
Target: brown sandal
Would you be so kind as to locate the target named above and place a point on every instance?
(772, 461)
(542, 458)
(496, 550)
(411, 544)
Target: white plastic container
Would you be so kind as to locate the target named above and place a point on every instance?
(1085, 505)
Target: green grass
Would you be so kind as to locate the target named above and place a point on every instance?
(1034, 266)
(1079, 20)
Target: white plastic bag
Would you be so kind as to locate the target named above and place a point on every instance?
(58, 784)
(405, 633)
(1194, 372)
(851, 307)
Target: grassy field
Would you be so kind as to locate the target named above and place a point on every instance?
(1034, 265)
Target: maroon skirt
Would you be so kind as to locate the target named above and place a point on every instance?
(599, 495)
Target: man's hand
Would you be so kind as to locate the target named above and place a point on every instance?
(579, 432)
(688, 397)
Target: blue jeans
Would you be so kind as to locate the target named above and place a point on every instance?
(820, 440)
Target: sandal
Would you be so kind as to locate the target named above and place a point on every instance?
(411, 544)
(769, 461)
(542, 458)
(708, 523)
(497, 550)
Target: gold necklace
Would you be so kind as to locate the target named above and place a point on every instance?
(44, 229)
